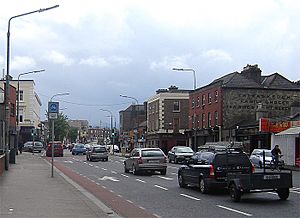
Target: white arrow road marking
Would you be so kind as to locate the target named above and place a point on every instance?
(233, 210)
(190, 197)
(139, 180)
(163, 188)
(166, 178)
(109, 178)
(68, 161)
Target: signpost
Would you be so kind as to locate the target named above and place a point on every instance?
(53, 108)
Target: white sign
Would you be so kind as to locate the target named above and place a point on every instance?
(52, 116)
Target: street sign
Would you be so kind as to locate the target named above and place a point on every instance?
(52, 116)
(53, 107)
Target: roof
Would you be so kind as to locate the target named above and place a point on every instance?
(290, 131)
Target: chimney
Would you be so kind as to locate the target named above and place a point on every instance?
(252, 72)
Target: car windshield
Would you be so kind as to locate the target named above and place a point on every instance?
(100, 149)
(79, 146)
(184, 150)
(152, 153)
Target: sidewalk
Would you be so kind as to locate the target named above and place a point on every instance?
(27, 190)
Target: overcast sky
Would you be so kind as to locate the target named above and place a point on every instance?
(97, 49)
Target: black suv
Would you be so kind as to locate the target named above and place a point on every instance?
(208, 169)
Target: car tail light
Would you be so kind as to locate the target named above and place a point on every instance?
(253, 168)
(139, 160)
(211, 171)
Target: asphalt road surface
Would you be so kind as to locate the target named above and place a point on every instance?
(161, 196)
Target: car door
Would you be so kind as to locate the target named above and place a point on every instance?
(130, 161)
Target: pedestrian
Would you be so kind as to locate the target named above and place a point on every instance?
(20, 147)
(275, 154)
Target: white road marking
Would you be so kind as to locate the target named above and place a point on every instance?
(233, 210)
(156, 215)
(117, 161)
(174, 174)
(163, 188)
(114, 172)
(166, 178)
(91, 165)
(97, 183)
(108, 178)
(190, 197)
(142, 207)
(68, 161)
(129, 201)
(125, 175)
(297, 192)
(120, 196)
(103, 169)
(273, 193)
(295, 188)
(174, 167)
(96, 167)
(139, 180)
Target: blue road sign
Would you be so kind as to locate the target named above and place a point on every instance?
(53, 107)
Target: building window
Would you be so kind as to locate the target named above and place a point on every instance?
(216, 95)
(216, 118)
(176, 106)
(12, 110)
(21, 95)
(21, 118)
(198, 101)
(209, 119)
(203, 100)
(203, 121)
(209, 98)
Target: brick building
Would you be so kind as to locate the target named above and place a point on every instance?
(167, 118)
(230, 107)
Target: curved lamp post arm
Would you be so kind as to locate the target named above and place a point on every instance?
(59, 94)
(125, 96)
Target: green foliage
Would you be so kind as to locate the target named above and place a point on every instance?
(73, 133)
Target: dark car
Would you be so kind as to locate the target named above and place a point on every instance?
(97, 152)
(28, 146)
(208, 169)
(58, 149)
(180, 153)
(146, 159)
(79, 149)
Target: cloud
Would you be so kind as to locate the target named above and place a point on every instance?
(105, 62)
(215, 55)
(169, 62)
(20, 63)
(58, 58)
(1, 62)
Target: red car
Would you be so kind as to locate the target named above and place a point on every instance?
(58, 149)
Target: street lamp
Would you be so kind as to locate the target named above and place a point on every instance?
(52, 147)
(111, 127)
(195, 148)
(18, 103)
(125, 96)
(7, 115)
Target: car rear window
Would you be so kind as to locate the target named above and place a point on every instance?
(100, 150)
(232, 159)
(184, 150)
(152, 153)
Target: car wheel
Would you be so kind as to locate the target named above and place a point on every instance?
(235, 194)
(106, 159)
(283, 193)
(203, 186)
(87, 158)
(134, 171)
(181, 181)
(73, 153)
(163, 172)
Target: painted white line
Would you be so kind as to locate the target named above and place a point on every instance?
(174, 168)
(156, 215)
(103, 169)
(91, 165)
(174, 174)
(114, 172)
(117, 161)
(96, 167)
(142, 207)
(163, 188)
(165, 178)
(125, 175)
(97, 183)
(111, 191)
(139, 180)
(190, 197)
(233, 210)
(273, 193)
(129, 201)
(295, 188)
(297, 192)
(120, 196)
(103, 186)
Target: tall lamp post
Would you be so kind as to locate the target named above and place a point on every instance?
(111, 127)
(195, 148)
(18, 103)
(52, 147)
(138, 124)
(7, 115)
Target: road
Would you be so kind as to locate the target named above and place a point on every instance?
(160, 196)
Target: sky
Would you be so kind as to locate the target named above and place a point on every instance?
(96, 50)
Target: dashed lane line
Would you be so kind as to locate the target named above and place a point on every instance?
(114, 172)
(163, 188)
(233, 210)
(124, 175)
(104, 169)
(139, 180)
(165, 178)
(190, 197)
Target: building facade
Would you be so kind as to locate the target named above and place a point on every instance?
(230, 107)
(167, 118)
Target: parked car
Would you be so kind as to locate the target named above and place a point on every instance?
(78, 149)
(146, 159)
(116, 148)
(28, 146)
(38, 146)
(97, 152)
(208, 169)
(180, 153)
(58, 149)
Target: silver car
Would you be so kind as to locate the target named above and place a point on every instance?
(146, 159)
(256, 157)
(97, 152)
(180, 153)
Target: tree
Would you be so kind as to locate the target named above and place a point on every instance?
(61, 127)
(73, 133)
